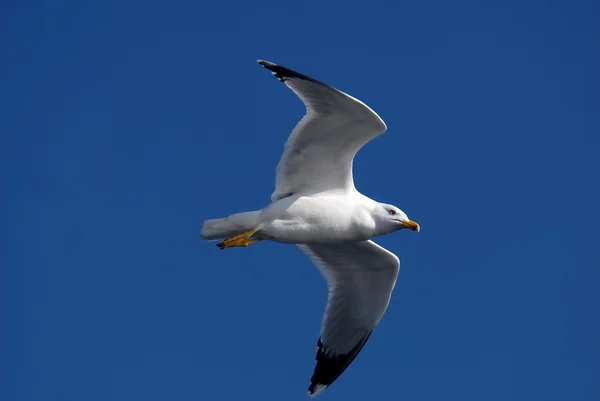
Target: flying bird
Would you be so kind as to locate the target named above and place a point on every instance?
(316, 206)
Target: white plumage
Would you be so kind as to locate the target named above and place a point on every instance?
(319, 152)
(316, 206)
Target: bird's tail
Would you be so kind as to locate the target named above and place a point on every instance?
(230, 226)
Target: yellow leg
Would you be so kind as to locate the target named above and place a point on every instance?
(242, 239)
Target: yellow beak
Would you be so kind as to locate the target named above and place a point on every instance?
(412, 225)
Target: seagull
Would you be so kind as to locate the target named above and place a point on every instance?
(316, 206)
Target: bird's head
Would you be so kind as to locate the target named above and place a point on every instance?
(388, 218)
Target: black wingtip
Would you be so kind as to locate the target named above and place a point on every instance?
(330, 367)
(265, 63)
(315, 389)
(283, 73)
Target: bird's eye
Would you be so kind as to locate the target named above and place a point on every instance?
(392, 212)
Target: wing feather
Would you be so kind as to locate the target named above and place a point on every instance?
(319, 152)
(360, 278)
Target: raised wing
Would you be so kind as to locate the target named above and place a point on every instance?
(318, 154)
(360, 277)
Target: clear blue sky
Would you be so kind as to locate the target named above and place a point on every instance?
(125, 124)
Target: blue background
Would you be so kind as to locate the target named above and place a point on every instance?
(125, 124)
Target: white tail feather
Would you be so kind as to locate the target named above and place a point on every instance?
(235, 224)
